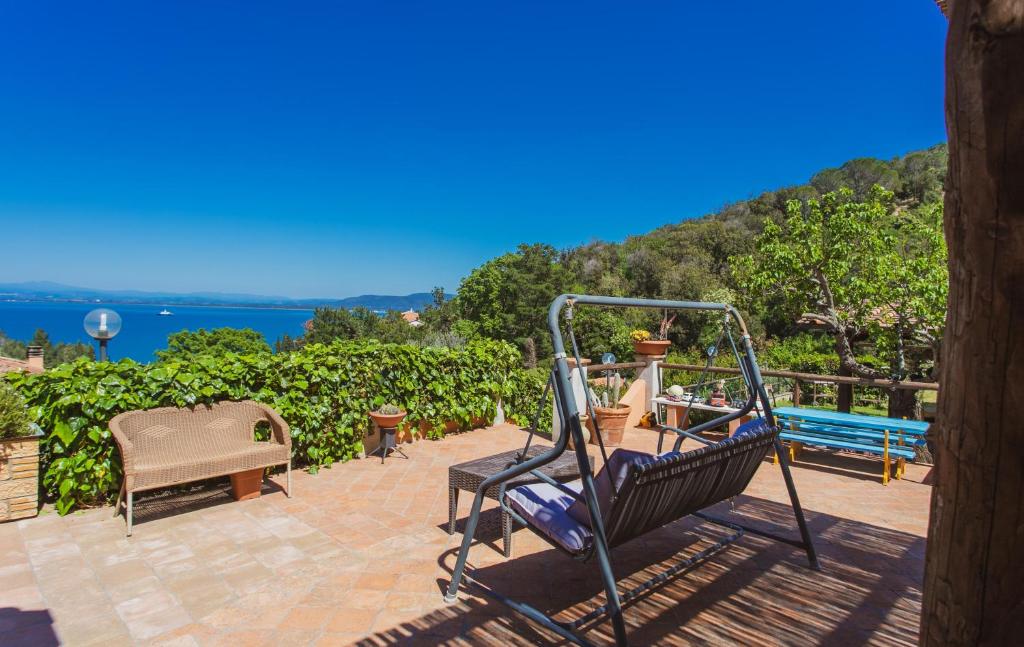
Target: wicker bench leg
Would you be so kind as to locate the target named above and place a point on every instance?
(120, 497)
(128, 514)
(506, 533)
(453, 508)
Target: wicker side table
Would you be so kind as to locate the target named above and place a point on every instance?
(469, 475)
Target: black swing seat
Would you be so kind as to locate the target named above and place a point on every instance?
(653, 490)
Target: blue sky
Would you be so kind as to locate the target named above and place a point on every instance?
(340, 148)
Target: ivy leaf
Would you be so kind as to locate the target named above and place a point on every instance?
(64, 433)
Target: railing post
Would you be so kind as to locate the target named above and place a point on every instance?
(796, 393)
(650, 375)
(844, 392)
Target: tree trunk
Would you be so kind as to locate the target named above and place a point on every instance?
(844, 397)
(529, 353)
(903, 403)
(974, 567)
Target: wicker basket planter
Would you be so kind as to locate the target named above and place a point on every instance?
(19, 477)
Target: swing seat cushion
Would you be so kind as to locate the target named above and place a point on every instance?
(545, 507)
(751, 427)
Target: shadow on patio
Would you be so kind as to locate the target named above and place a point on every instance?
(21, 627)
(756, 591)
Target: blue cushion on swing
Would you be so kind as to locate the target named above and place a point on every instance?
(750, 427)
(619, 465)
(544, 506)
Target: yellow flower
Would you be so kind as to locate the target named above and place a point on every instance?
(640, 335)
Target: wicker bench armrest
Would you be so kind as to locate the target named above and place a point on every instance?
(125, 445)
(279, 428)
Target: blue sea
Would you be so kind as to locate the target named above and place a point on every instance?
(143, 331)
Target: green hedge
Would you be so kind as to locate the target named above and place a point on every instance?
(523, 390)
(323, 392)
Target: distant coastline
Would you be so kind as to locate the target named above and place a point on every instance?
(48, 292)
(168, 304)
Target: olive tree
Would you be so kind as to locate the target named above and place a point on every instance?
(859, 271)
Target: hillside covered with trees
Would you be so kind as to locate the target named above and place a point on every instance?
(874, 223)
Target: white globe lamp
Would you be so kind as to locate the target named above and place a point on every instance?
(102, 324)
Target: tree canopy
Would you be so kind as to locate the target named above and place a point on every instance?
(507, 297)
(857, 270)
(53, 354)
(330, 324)
(188, 344)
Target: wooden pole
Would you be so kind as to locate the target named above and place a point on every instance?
(844, 396)
(974, 566)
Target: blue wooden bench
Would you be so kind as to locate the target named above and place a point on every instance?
(890, 438)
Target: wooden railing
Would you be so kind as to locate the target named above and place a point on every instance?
(615, 367)
(813, 377)
(802, 379)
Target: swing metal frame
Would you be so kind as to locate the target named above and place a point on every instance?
(600, 547)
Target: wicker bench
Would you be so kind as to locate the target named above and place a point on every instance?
(169, 446)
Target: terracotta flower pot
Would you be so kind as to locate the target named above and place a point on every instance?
(657, 347)
(388, 421)
(246, 485)
(612, 423)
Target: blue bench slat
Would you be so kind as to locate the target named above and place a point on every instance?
(871, 425)
(850, 432)
(878, 423)
(899, 452)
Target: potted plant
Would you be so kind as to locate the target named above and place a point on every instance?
(643, 344)
(388, 416)
(611, 415)
(19, 458)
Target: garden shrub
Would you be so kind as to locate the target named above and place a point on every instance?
(523, 390)
(14, 418)
(323, 392)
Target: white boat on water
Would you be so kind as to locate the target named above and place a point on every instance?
(165, 313)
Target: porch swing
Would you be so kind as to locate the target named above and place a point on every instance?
(634, 493)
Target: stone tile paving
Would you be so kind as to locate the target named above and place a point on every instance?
(357, 556)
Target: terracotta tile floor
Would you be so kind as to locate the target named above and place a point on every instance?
(358, 554)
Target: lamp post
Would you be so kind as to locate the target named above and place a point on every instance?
(102, 325)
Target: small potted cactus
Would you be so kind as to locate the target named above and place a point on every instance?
(610, 414)
(644, 344)
(388, 416)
